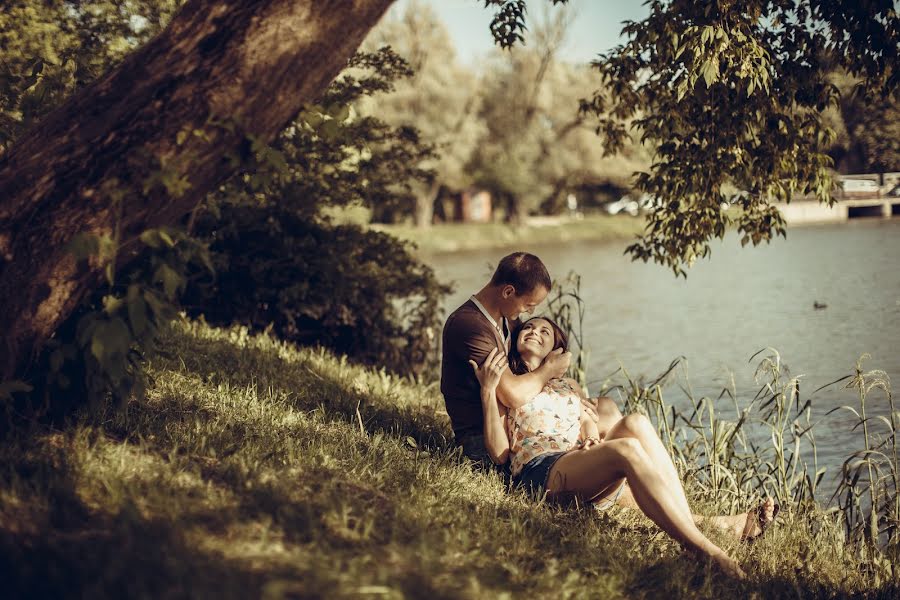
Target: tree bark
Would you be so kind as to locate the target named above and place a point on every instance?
(425, 205)
(248, 64)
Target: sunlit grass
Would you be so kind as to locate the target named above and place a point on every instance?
(256, 469)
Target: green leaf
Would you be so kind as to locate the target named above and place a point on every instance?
(166, 238)
(329, 130)
(137, 315)
(342, 113)
(171, 280)
(111, 304)
(83, 246)
(151, 238)
(710, 71)
(110, 338)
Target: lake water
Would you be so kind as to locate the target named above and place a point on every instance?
(732, 305)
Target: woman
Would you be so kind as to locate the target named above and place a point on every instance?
(554, 448)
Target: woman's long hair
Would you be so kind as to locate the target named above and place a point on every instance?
(516, 364)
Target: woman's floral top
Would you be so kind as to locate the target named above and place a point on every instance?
(549, 423)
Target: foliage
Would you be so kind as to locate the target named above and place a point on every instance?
(869, 491)
(358, 292)
(440, 99)
(53, 47)
(875, 126)
(538, 146)
(732, 93)
(867, 138)
(101, 350)
(281, 264)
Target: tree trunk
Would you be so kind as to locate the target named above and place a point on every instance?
(249, 65)
(425, 205)
(515, 211)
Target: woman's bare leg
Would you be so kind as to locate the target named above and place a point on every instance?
(639, 427)
(742, 526)
(587, 473)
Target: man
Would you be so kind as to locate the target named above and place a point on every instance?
(481, 324)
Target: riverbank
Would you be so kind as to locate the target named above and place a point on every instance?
(256, 469)
(536, 231)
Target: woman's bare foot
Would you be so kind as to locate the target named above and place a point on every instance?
(749, 525)
(758, 520)
(729, 566)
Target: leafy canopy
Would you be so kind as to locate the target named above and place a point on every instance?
(730, 93)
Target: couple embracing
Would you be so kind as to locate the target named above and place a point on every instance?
(511, 405)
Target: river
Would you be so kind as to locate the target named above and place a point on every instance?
(739, 301)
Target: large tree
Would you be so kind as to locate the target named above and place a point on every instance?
(142, 146)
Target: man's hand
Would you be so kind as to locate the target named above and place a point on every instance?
(557, 362)
(491, 369)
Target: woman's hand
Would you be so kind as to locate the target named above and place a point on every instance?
(491, 369)
(587, 443)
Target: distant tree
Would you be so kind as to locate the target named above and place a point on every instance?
(731, 93)
(538, 144)
(520, 108)
(876, 132)
(866, 128)
(440, 100)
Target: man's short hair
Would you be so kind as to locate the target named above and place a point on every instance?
(523, 271)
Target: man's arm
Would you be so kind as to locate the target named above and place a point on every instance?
(518, 390)
(496, 441)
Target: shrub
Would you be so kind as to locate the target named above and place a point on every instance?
(357, 292)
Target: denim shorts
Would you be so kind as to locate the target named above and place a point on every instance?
(536, 473)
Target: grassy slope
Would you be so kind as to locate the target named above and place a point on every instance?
(255, 469)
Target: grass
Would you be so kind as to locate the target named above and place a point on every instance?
(452, 237)
(255, 469)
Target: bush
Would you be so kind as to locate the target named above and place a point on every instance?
(357, 292)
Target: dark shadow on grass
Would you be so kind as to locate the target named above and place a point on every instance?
(428, 430)
(58, 547)
(696, 578)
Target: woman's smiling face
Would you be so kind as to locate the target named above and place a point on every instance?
(536, 337)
